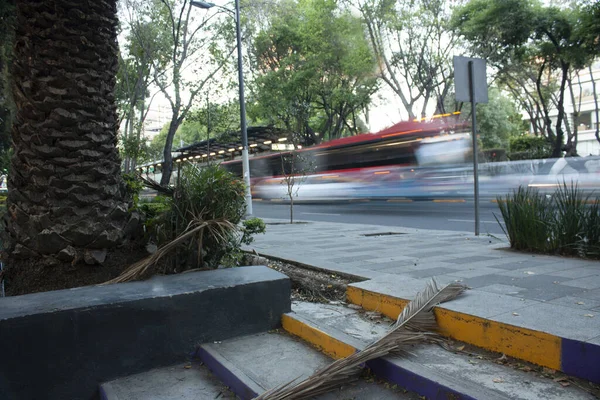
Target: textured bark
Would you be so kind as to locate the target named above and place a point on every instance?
(66, 195)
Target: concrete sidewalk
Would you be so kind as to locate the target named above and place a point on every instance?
(541, 309)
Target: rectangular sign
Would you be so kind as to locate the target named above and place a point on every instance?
(461, 79)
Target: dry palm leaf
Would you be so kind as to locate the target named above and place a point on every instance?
(218, 228)
(415, 324)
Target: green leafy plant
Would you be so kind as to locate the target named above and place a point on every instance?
(526, 216)
(561, 223)
(134, 187)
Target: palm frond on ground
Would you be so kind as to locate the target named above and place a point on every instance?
(218, 228)
(416, 324)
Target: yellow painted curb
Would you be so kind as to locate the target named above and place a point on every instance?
(399, 201)
(526, 344)
(450, 201)
(328, 345)
(255, 199)
(493, 201)
(387, 305)
(536, 347)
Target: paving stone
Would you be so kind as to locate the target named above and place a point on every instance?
(429, 272)
(590, 294)
(576, 273)
(538, 270)
(466, 260)
(509, 290)
(473, 272)
(392, 265)
(595, 340)
(554, 319)
(486, 280)
(485, 304)
(579, 303)
(357, 257)
(590, 282)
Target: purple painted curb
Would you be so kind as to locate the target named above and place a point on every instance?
(225, 374)
(409, 380)
(581, 359)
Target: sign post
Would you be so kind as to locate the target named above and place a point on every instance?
(471, 86)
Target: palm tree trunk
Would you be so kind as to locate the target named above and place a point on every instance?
(66, 195)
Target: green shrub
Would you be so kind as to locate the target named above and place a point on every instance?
(134, 187)
(203, 195)
(562, 223)
(526, 217)
(529, 147)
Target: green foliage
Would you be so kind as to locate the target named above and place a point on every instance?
(315, 69)
(208, 194)
(529, 147)
(557, 224)
(251, 227)
(526, 42)
(134, 187)
(527, 216)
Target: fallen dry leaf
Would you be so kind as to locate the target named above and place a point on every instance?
(516, 314)
(589, 315)
(529, 273)
(548, 371)
(473, 362)
(565, 384)
(187, 367)
(497, 380)
(502, 358)
(580, 303)
(460, 348)
(561, 379)
(526, 369)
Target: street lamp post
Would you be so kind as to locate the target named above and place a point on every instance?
(245, 162)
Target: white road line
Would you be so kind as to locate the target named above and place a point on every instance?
(309, 213)
(472, 220)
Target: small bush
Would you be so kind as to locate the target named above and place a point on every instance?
(557, 224)
(529, 148)
(202, 195)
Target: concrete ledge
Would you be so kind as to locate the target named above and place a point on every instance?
(573, 357)
(62, 344)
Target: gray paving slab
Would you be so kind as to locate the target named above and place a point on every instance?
(595, 340)
(401, 265)
(590, 282)
(472, 272)
(578, 303)
(590, 294)
(578, 272)
(554, 319)
(177, 382)
(429, 272)
(486, 305)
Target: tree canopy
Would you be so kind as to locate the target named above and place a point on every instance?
(315, 71)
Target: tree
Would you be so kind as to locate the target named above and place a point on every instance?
(414, 47)
(7, 10)
(314, 70)
(524, 35)
(66, 199)
(197, 46)
(497, 121)
(143, 50)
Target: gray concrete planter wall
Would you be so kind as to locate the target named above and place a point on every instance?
(62, 344)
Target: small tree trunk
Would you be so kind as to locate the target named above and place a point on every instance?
(292, 209)
(595, 103)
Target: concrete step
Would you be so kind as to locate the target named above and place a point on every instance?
(253, 364)
(183, 381)
(428, 369)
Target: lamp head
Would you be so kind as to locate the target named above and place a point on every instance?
(202, 4)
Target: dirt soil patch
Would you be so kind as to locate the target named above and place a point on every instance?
(308, 284)
(29, 276)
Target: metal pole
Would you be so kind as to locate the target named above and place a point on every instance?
(475, 150)
(245, 161)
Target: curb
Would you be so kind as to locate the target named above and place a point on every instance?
(572, 357)
(406, 374)
(237, 381)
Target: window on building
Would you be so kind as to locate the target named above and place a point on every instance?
(584, 121)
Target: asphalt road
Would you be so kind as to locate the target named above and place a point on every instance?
(455, 216)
